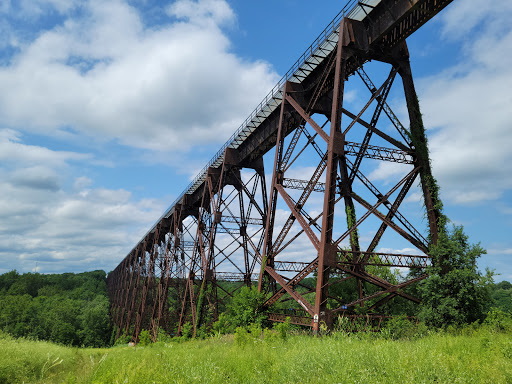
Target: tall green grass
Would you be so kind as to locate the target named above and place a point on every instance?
(481, 356)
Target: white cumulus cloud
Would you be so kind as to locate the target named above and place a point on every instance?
(107, 75)
(468, 105)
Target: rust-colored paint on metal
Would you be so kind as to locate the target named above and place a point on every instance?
(221, 234)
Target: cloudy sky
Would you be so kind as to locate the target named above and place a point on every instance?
(108, 109)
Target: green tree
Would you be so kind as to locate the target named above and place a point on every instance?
(505, 285)
(246, 307)
(502, 296)
(13, 314)
(456, 292)
(95, 322)
(8, 279)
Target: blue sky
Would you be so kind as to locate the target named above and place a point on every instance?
(109, 108)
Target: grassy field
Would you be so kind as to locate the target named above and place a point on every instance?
(480, 357)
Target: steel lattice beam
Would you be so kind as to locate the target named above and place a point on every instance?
(221, 229)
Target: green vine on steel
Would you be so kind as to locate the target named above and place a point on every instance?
(351, 222)
(420, 143)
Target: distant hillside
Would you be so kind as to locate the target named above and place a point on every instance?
(71, 309)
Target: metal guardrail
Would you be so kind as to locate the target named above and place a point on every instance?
(351, 8)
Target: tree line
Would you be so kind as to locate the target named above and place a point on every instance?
(73, 309)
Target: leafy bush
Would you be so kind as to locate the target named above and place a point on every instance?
(186, 331)
(162, 336)
(144, 338)
(255, 330)
(223, 325)
(242, 337)
(123, 340)
(270, 335)
(246, 307)
(201, 332)
(498, 320)
(282, 329)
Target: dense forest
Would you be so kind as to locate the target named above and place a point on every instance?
(71, 309)
(502, 296)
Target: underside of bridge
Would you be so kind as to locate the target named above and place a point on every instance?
(238, 226)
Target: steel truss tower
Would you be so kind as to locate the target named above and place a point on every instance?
(339, 160)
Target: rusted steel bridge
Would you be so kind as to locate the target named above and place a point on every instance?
(228, 229)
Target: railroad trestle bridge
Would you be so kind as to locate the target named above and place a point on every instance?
(235, 225)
